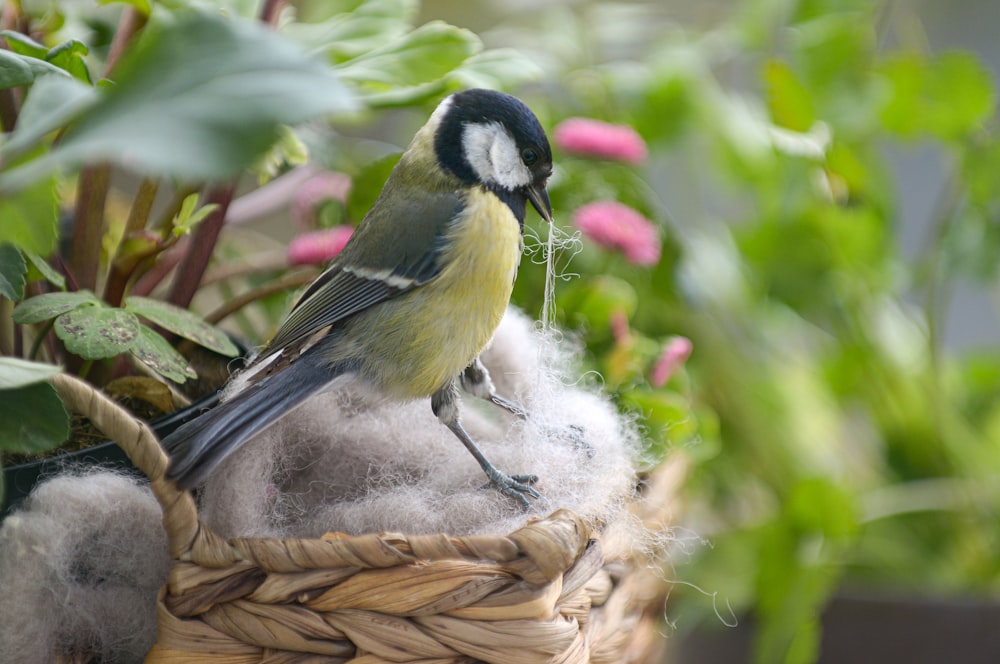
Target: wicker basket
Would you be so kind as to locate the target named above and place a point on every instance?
(552, 591)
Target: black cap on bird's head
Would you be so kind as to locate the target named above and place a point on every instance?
(491, 138)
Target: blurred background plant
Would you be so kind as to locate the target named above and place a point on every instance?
(838, 442)
(740, 283)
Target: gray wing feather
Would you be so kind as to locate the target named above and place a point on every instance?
(405, 254)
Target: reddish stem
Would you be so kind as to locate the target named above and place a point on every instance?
(193, 265)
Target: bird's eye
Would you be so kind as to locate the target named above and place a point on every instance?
(529, 156)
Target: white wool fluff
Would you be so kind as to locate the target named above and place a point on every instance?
(350, 461)
(80, 566)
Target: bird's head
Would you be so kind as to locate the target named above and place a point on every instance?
(493, 139)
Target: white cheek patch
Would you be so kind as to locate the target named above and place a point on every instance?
(493, 155)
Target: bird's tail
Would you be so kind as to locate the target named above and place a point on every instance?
(196, 448)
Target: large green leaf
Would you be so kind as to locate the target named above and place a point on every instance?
(347, 29)
(94, 333)
(12, 272)
(49, 305)
(496, 68)
(32, 419)
(28, 218)
(413, 66)
(198, 100)
(52, 102)
(15, 372)
(157, 353)
(182, 322)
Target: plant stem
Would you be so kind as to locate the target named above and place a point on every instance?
(7, 328)
(163, 266)
(195, 261)
(10, 17)
(123, 270)
(131, 22)
(88, 224)
(42, 335)
(270, 11)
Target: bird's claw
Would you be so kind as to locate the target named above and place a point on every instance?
(517, 487)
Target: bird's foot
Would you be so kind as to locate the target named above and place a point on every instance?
(517, 487)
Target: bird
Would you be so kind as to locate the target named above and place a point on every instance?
(414, 296)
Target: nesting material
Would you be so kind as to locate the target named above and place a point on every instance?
(353, 462)
(80, 565)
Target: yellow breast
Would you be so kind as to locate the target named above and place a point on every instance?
(418, 342)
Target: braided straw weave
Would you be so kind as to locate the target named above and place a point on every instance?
(549, 592)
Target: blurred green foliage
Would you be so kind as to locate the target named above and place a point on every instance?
(836, 443)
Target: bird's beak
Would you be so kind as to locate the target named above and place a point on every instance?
(539, 198)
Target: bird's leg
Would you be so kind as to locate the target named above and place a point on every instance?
(476, 381)
(444, 403)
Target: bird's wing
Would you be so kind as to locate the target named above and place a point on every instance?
(394, 250)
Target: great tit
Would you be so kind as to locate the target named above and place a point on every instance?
(415, 295)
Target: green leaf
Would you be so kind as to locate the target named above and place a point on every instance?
(190, 215)
(411, 67)
(947, 97)
(367, 185)
(318, 12)
(496, 68)
(12, 272)
(789, 101)
(30, 217)
(49, 305)
(157, 353)
(51, 104)
(350, 32)
(44, 270)
(144, 6)
(181, 322)
(69, 56)
(24, 45)
(15, 372)
(199, 100)
(17, 70)
(32, 419)
(94, 333)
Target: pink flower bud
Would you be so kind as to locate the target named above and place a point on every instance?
(318, 247)
(616, 226)
(675, 353)
(318, 189)
(593, 138)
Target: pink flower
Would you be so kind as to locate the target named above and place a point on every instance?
(675, 353)
(616, 226)
(315, 191)
(318, 247)
(593, 138)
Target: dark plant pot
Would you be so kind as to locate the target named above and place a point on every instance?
(871, 629)
(21, 479)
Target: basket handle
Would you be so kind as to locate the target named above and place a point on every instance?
(140, 444)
